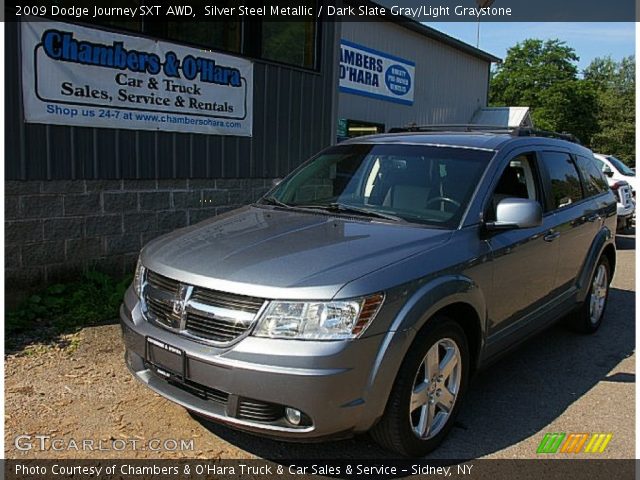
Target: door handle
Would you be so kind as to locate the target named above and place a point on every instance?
(551, 236)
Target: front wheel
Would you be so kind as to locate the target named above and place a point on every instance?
(428, 390)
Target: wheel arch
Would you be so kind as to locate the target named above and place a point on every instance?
(457, 297)
(603, 244)
(610, 252)
(466, 316)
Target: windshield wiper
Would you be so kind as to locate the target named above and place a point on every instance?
(271, 200)
(342, 208)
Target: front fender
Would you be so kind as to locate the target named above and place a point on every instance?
(421, 306)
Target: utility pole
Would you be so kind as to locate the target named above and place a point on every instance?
(481, 4)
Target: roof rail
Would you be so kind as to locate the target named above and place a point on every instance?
(533, 132)
(471, 127)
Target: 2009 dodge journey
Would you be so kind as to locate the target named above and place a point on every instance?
(363, 291)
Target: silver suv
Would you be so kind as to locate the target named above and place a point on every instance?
(364, 290)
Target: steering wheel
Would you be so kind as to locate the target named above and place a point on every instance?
(443, 199)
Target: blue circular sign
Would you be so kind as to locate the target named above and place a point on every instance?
(398, 80)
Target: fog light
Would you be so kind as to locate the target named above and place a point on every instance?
(293, 416)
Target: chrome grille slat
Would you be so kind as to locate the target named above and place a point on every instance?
(205, 320)
(163, 283)
(162, 312)
(213, 328)
(191, 324)
(211, 334)
(225, 300)
(197, 312)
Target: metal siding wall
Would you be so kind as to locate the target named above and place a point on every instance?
(450, 84)
(12, 126)
(292, 119)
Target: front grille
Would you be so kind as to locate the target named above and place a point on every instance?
(162, 312)
(257, 411)
(212, 328)
(206, 393)
(246, 408)
(202, 391)
(227, 300)
(199, 312)
(162, 283)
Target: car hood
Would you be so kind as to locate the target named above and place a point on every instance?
(284, 254)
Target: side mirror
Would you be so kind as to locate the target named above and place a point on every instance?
(516, 213)
(608, 172)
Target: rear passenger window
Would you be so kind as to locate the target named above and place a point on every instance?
(564, 178)
(593, 179)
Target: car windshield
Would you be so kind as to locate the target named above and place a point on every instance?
(621, 167)
(414, 183)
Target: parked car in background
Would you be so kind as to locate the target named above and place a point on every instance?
(616, 169)
(625, 203)
(622, 181)
(364, 290)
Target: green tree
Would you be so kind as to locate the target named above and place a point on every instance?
(543, 75)
(615, 85)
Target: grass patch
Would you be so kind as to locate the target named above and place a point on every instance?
(66, 307)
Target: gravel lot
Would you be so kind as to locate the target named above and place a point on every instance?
(558, 382)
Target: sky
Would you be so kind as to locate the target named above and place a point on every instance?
(590, 40)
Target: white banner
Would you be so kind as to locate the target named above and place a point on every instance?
(371, 73)
(73, 75)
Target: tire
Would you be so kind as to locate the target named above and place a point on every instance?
(395, 430)
(584, 319)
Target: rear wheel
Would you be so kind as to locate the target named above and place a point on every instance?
(588, 318)
(428, 390)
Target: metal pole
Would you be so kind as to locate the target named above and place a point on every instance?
(481, 4)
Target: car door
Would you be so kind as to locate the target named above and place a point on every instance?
(596, 187)
(524, 260)
(576, 215)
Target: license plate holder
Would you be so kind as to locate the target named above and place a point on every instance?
(166, 360)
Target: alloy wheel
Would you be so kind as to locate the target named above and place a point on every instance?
(435, 389)
(598, 294)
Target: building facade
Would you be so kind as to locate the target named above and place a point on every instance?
(85, 192)
(450, 79)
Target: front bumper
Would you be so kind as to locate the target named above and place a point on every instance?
(330, 382)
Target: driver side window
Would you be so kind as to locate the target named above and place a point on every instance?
(519, 180)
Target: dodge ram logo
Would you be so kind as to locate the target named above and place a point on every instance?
(180, 304)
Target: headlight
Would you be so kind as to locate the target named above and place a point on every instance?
(138, 279)
(318, 320)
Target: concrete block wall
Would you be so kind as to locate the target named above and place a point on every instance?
(54, 230)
